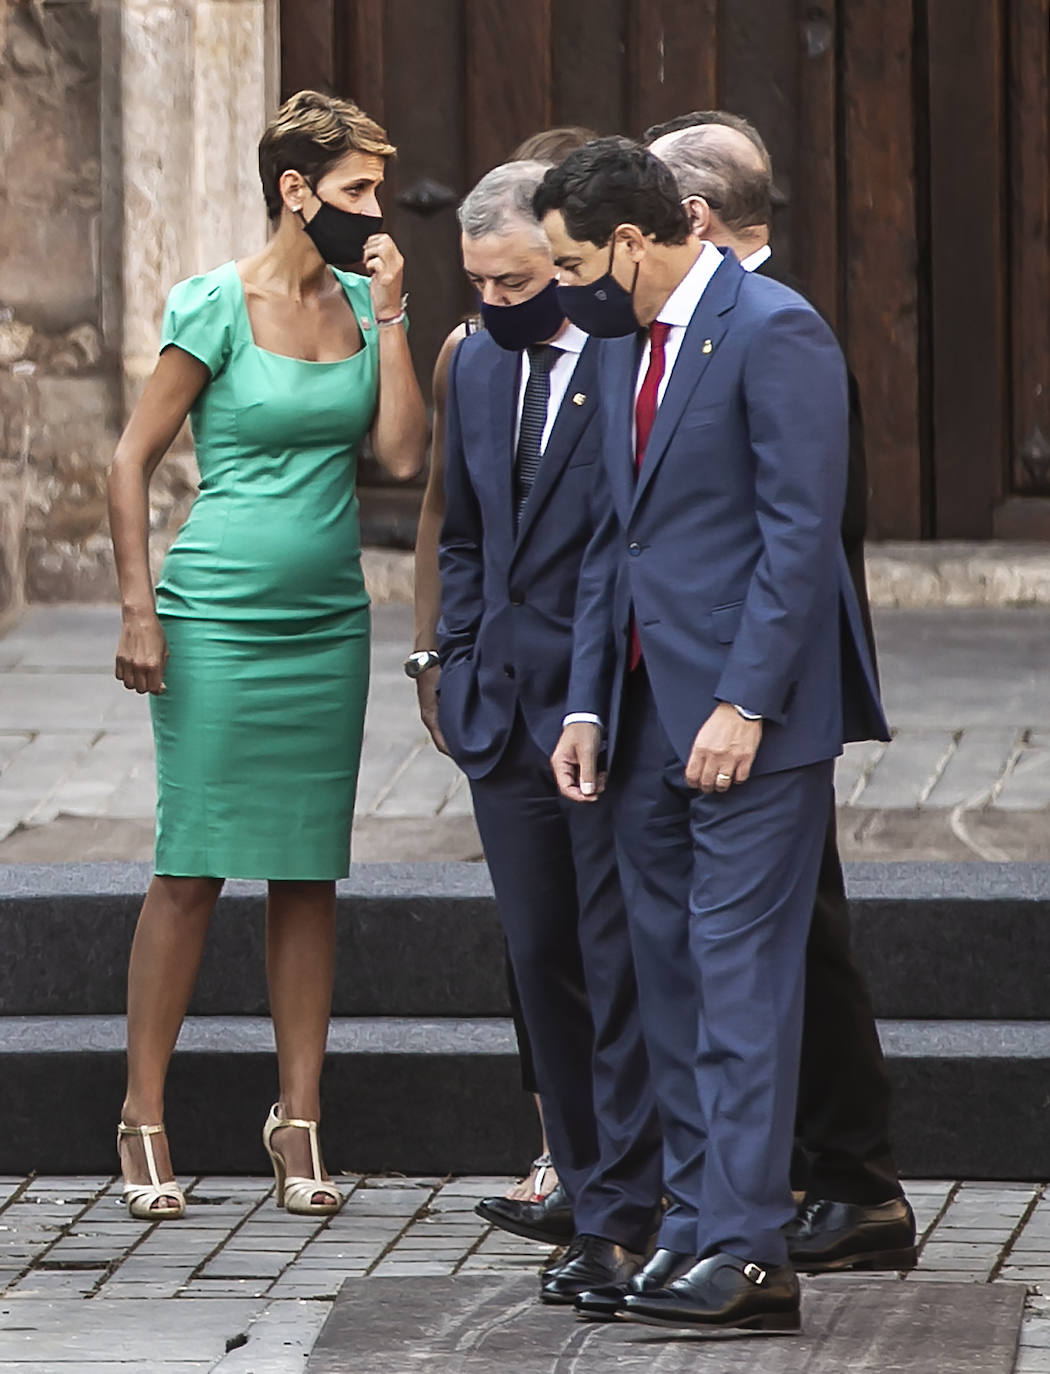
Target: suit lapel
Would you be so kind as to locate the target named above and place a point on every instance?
(502, 397)
(569, 424)
(702, 337)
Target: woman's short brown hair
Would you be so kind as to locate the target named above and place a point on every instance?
(310, 133)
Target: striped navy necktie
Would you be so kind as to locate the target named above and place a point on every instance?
(542, 358)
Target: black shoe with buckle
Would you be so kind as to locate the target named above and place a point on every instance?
(548, 1221)
(590, 1262)
(828, 1236)
(663, 1267)
(723, 1291)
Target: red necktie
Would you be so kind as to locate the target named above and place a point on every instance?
(644, 415)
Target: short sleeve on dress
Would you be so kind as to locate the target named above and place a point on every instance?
(197, 319)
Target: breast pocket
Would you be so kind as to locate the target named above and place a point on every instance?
(726, 621)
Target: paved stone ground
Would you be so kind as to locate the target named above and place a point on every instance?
(967, 775)
(242, 1288)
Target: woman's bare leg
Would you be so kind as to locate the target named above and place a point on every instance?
(300, 967)
(532, 1186)
(165, 959)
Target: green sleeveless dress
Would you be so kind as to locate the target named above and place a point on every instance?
(261, 596)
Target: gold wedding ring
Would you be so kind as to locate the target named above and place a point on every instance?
(723, 777)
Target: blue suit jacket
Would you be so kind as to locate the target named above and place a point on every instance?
(728, 544)
(507, 601)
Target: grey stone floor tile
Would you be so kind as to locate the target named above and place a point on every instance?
(907, 771)
(977, 763)
(1028, 786)
(279, 1341)
(245, 1264)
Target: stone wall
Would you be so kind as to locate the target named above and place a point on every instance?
(59, 398)
(127, 141)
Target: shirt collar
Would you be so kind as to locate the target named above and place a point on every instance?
(757, 258)
(571, 339)
(681, 304)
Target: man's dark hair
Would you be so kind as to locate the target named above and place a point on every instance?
(609, 182)
(698, 117)
(736, 188)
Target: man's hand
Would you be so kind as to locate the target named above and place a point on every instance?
(575, 762)
(426, 691)
(723, 751)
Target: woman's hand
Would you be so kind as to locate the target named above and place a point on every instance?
(385, 265)
(142, 653)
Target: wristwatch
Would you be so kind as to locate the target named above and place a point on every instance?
(416, 664)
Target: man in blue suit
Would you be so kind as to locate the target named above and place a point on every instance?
(719, 640)
(521, 454)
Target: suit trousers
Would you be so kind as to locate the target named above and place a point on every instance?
(719, 891)
(553, 867)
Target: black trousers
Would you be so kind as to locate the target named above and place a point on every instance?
(842, 1130)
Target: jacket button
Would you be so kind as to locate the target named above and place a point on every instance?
(508, 669)
(516, 599)
(634, 550)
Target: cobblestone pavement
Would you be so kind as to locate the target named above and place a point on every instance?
(242, 1288)
(966, 776)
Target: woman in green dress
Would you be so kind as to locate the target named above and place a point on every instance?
(255, 644)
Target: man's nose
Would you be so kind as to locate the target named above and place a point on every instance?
(493, 294)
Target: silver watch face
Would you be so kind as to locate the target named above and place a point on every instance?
(417, 663)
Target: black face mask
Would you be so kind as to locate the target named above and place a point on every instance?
(601, 308)
(534, 321)
(340, 235)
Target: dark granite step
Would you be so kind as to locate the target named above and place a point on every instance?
(953, 941)
(442, 1096)
(491, 1323)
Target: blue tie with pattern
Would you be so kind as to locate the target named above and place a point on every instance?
(542, 358)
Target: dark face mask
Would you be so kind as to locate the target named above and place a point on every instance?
(534, 321)
(340, 235)
(601, 308)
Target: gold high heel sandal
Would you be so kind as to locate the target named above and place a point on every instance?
(141, 1197)
(296, 1195)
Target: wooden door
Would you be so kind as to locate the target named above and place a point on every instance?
(911, 142)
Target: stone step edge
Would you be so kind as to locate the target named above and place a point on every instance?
(418, 1036)
(901, 575)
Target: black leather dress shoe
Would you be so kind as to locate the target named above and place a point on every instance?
(722, 1291)
(828, 1236)
(603, 1304)
(590, 1262)
(549, 1221)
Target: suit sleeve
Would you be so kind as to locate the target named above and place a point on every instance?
(796, 395)
(460, 545)
(594, 641)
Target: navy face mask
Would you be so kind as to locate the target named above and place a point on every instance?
(340, 235)
(602, 308)
(534, 321)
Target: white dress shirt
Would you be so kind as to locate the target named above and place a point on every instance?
(677, 311)
(571, 341)
(757, 258)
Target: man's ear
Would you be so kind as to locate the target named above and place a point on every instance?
(633, 238)
(699, 213)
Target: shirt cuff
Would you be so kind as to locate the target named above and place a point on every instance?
(747, 715)
(582, 718)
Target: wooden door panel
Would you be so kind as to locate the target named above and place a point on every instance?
(968, 279)
(882, 326)
(508, 92)
(588, 67)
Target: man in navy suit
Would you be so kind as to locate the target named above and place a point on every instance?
(854, 1213)
(521, 456)
(719, 640)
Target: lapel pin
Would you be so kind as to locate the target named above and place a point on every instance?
(579, 399)
(708, 347)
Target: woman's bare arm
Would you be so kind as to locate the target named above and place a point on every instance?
(177, 381)
(427, 580)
